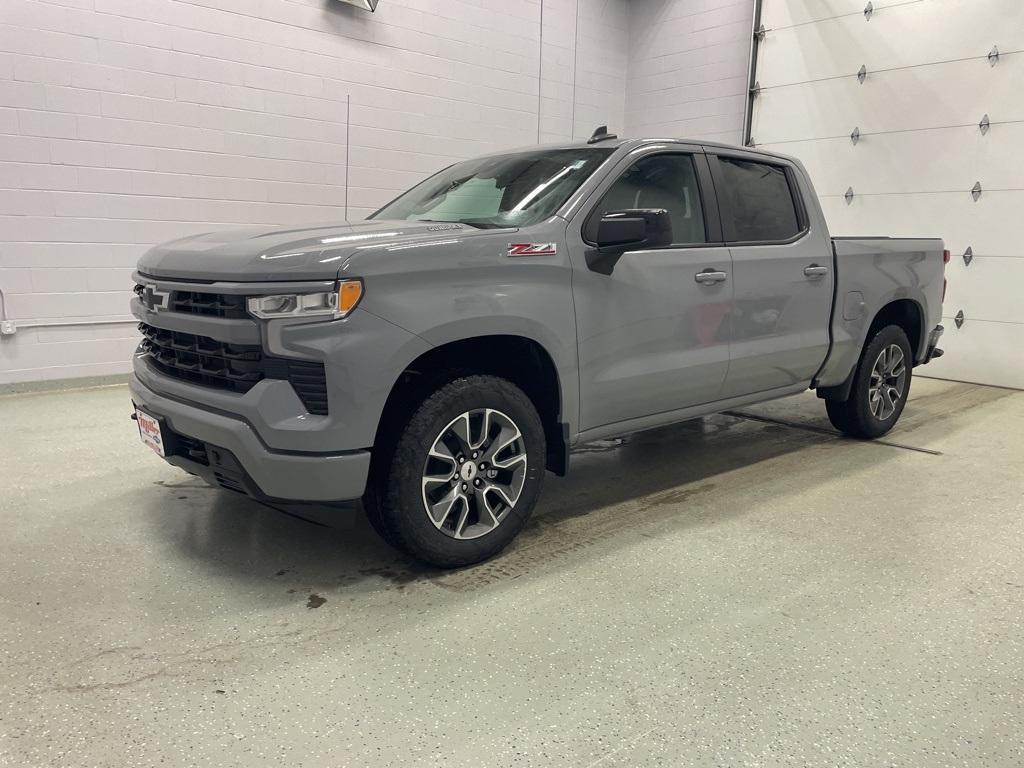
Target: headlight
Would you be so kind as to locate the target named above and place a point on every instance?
(334, 304)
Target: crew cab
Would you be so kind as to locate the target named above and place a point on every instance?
(437, 358)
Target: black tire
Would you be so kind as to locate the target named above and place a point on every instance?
(862, 414)
(396, 504)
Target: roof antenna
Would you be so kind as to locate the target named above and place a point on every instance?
(601, 134)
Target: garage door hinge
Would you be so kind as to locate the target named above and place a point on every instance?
(849, 195)
(868, 10)
(993, 55)
(759, 33)
(756, 90)
(984, 124)
(959, 319)
(862, 73)
(968, 256)
(855, 136)
(976, 191)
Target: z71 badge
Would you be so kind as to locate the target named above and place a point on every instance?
(532, 249)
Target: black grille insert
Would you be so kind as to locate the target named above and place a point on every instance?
(215, 304)
(199, 303)
(236, 367)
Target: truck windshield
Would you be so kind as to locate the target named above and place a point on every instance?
(513, 190)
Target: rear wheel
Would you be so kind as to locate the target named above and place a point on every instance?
(465, 473)
(881, 385)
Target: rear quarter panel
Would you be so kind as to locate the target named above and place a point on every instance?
(872, 272)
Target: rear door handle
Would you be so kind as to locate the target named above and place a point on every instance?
(814, 270)
(710, 276)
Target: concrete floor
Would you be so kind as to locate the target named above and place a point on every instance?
(727, 592)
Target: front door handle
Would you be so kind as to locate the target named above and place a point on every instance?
(710, 276)
(815, 270)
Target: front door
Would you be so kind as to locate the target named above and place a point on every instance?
(782, 277)
(653, 337)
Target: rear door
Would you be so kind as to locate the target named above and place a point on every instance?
(782, 275)
(652, 337)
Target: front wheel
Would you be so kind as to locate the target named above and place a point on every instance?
(465, 474)
(881, 385)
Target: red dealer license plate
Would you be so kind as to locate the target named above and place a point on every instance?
(149, 430)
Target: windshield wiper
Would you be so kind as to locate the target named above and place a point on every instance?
(468, 222)
(484, 224)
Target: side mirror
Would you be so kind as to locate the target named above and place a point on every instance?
(634, 230)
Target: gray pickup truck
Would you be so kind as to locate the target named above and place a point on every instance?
(435, 359)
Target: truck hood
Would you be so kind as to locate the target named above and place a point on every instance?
(315, 252)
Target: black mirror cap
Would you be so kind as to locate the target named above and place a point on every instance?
(634, 229)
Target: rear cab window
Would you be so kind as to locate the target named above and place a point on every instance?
(759, 204)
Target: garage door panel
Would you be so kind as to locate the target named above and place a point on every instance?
(981, 351)
(920, 149)
(988, 225)
(776, 13)
(899, 36)
(913, 161)
(989, 289)
(956, 93)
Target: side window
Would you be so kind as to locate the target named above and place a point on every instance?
(760, 199)
(658, 181)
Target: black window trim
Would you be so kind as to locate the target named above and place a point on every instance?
(725, 207)
(705, 188)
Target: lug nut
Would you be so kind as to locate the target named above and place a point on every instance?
(464, 486)
(483, 465)
(462, 459)
(477, 482)
(475, 454)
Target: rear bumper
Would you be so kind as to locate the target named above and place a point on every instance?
(932, 351)
(236, 458)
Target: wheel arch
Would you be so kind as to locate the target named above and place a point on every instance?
(519, 358)
(908, 314)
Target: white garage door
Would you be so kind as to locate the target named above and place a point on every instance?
(929, 81)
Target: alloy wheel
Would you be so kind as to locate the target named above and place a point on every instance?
(474, 473)
(888, 379)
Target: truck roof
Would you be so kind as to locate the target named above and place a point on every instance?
(615, 142)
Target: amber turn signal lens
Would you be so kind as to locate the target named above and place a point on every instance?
(349, 294)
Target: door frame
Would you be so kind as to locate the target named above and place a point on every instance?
(725, 205)
(581, 253)
(705, 183)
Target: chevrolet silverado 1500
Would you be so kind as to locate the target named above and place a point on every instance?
(437, 358)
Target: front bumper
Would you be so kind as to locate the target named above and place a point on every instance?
(236, 457)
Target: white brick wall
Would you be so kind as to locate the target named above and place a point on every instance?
(124, 123)
(583, 69)
(688, 68)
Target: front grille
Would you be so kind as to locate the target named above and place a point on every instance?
(215, 304)
(236, 367)
(199, 303)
